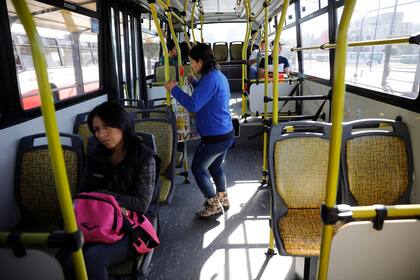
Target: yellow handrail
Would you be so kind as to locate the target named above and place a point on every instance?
(50, 122)
(336, 132)
(391, 41)
(201, 24)
(275, 55)
(192, 22)
(178, 49)
(164, 48)
(184, 26)
(244, 54)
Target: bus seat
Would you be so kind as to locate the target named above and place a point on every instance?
(138, 266)
(220, 50)
(358, 251)
(160, 72)
(377, 162)
(164, 132)
(235, 50)
(187, 69)
(163, 113)
(34, 182)
(36, 264)
(81, 128)
(298, 163)
(256, 97)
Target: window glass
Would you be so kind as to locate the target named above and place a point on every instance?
(151, 44)
(69, 45)
(224, 32)
(307, 7)
(291, 17)
(316, 62)
(393, 69)
(288, 38)
(324, 3)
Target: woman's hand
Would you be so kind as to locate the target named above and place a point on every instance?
(170, 85)
(124, 211)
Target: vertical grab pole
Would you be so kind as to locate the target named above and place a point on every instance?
(152, 5)
(276, 62)
(184, 26)
(336, 132)
(192, 21)
(275, 55)
(244, 55)
(178, 49)
(50, 122)
(264, 176)
(201, 24)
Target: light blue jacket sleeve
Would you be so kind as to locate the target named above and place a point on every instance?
(203, 93)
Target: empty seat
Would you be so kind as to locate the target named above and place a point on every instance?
(377, 162)
(298, 164)
(236, 50)
(160, 72)
(35, 186)
(164, 132)
(220, 50)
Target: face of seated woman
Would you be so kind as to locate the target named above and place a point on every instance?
(110, 137)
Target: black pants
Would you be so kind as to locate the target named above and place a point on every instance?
(98, 257)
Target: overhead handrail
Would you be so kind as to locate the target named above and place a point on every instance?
(51, 129)
(173, 33)
(201, 25)
(244, 55)
(415, 39)
(152, 5)
(336, 133)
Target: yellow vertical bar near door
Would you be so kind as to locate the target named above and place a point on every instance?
(192, 22)
(178, 49)
(265, 146)
(275, 55)
(201, 24)
(244, 54)
(50, 122)
(184, 26)
(164, 48)
(336, 132)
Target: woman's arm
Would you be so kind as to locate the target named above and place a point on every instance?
(143, 188)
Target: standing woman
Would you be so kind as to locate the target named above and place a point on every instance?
(120, 165)
(210, 103)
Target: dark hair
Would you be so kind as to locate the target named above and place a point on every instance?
(253, 32)
(170, 44)
(115, 116)
(203, 51)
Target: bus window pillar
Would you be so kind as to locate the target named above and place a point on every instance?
(78, 75)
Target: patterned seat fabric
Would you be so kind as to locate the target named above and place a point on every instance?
(377, 169)
(160, 73)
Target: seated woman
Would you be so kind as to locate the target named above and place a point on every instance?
(120, 165)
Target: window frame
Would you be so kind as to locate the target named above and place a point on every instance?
(12, 112)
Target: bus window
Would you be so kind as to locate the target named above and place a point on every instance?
(151, 43)
(70, 48)
(224, 32)
(388, 69)
(315, 62)
(288, 38)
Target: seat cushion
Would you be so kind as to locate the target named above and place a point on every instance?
(300, 231)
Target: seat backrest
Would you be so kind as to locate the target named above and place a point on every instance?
(377, 162)
(298, 163)
(36, 264)
(34, 182)
(164, 132)
(162, 113)
(220, 50)
(236, 50)
(160, 72)
(358, 251)
(81, 128)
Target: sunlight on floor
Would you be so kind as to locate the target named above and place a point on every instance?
(242, 256)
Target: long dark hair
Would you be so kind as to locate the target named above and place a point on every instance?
(204, 52)
(115, 116)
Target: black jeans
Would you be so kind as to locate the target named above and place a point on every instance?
(98, 257)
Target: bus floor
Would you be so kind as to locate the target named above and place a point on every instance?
(231, 247)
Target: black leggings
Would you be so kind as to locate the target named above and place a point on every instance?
(98, 257)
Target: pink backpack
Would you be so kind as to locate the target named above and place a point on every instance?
(141, 231)
(99, 217)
